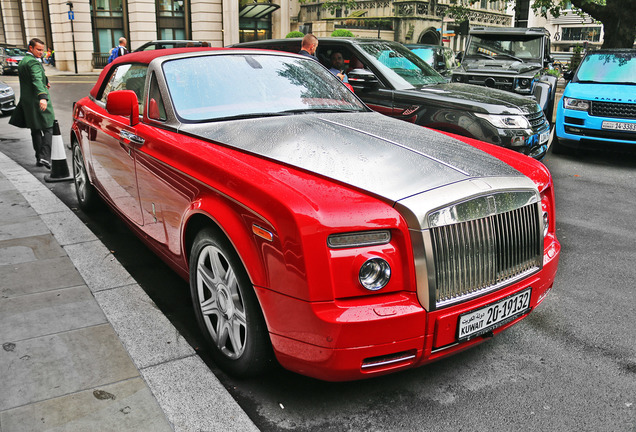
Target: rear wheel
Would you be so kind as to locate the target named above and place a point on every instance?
(226, 306)
(85, 191)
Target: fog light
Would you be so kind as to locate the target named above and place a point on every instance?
(517, 141)
(546, 223)
(374, 274)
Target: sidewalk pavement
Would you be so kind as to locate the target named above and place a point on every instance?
(53, 71)
(83, 346)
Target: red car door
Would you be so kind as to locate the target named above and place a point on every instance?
(114, 144)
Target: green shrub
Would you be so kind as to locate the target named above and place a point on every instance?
(553, 72)
(341, 33)
(576, 57)
(295, 34)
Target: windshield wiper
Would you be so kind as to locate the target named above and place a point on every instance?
(246, 116)
(281, 113)
(511, 56)
(485, 55)
(317, 110)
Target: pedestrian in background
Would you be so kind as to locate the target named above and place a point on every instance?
(119, 50)
(35, 110)
(309, 46)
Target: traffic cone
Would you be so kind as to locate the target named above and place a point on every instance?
(59, 167)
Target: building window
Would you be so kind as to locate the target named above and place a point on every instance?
(171, 19)
(170, 8)
(107, 19)
(254, 29)
(590, 34)
(108, 8)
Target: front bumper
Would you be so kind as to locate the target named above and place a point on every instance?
(7, 104)
(367, 337)
(578, 129)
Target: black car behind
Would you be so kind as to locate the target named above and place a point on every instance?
(392, 80)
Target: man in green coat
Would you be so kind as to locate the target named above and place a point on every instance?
(35, 110)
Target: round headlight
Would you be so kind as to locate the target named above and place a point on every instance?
(525, 82)
(374, 274)
(546, 223)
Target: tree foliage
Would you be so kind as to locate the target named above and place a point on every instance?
(617, 16)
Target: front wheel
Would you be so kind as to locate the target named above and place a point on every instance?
(557, 147)
(226, 307)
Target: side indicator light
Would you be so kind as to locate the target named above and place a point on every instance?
(262, 233)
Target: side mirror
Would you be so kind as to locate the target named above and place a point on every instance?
(568, 75)
(124, 103)
(363, 78)
(459, 56)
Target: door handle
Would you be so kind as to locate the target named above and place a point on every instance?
(125, 135)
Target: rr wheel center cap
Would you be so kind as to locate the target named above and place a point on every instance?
(224, 301)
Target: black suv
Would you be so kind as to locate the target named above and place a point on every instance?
(392, 80)
(512, 59)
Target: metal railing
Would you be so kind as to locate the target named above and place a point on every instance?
(100, 60)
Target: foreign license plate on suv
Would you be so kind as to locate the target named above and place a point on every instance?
(496, 314)
(619, 126)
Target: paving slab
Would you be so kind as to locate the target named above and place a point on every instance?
(26, 227)
(42, 368)
(124, 406)
(14, 207)
(33, 315)
(28, 278)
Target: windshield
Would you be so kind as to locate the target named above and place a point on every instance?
(15, 52)
(426, 54)
(401, 65)
(503, 46)
(216, 87)
(608, 68)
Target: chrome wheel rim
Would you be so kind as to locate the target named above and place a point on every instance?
(79, 172)
(221, 303)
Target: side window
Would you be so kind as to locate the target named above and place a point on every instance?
(156, 108)
(127, 77)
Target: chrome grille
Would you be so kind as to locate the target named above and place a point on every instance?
(613, 109)
(478, 256)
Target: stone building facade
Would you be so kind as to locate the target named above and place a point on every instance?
(82, 32)
(406, 21)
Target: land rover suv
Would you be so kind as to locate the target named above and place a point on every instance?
(511, 59)
(394, 81)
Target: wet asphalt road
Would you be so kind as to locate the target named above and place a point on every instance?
(570, 366)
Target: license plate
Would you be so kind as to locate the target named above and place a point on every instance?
(494, 315)
(619, 126)
(544, 137)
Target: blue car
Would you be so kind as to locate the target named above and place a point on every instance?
(598, 108)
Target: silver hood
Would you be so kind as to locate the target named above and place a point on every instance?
(388, 158)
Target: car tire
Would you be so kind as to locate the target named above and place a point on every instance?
(226, 307)
(86, 194)
(557, 147)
